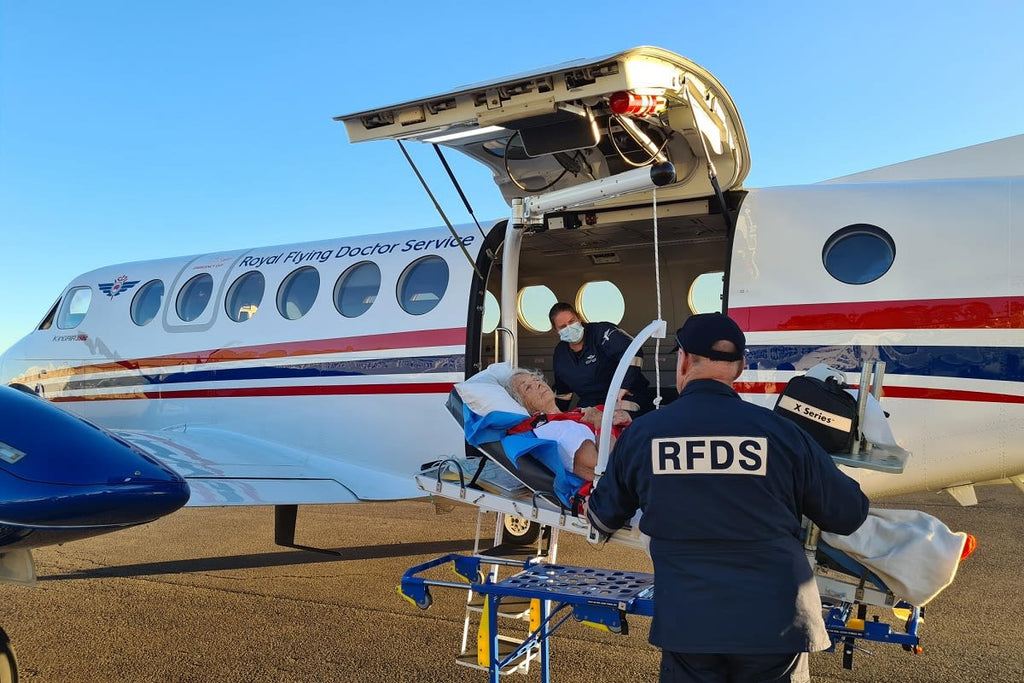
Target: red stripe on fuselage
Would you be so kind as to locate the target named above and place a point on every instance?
(249, 392)
(897, 392)
(929, 314)
(370, 342)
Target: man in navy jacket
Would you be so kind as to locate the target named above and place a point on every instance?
(723, 485)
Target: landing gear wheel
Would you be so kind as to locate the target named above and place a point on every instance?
(8, 666)
(519, 531)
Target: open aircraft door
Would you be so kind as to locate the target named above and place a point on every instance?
(576, 150)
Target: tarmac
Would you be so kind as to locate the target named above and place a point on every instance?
(205, 595)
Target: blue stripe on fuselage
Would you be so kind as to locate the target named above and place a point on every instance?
(354, 368)
(964, 362)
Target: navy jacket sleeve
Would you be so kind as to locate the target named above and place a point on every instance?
(831, 499)
(616, 499)
(613, 344)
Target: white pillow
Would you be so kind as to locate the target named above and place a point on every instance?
(485, 391)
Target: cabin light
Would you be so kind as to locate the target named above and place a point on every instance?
(468, 133)
(626, 103)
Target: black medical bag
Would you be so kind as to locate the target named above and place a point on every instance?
(823, 408)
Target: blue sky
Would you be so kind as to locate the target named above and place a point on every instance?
(138, 130)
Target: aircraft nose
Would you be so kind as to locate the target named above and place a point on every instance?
(59, 470)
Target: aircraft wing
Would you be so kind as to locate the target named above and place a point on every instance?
(230, 468)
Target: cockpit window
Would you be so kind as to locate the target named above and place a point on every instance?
(146, 303)
(858, 254)
(245, 296)
(76, 305)
(297, 293)
(194, 297)
(422, 285)
(357, 289)
(48, 320)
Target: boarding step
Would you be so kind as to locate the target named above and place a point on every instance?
(516, 551)
(506, 646)
(509, 608)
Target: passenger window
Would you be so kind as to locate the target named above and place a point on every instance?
(532, 306)
(245, 296)
(705, 295)
(492, 313)
(858, 254)
(422, 285)
(194, 297)
(76, 305)
(600, 301)
(297, 293)
(357, 289)
(147, 301)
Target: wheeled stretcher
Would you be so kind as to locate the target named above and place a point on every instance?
(888, 570)
(604, 598)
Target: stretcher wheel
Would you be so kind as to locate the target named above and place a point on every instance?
(519, 531)
(426, 601)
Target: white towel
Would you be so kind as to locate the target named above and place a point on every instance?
(915, 554)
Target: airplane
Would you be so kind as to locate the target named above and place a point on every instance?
(318, 372)
(64, 479)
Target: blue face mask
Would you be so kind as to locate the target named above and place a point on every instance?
(571, 334)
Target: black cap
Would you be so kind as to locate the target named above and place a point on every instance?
(700, 332)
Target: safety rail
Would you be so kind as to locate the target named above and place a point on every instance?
(656, 328)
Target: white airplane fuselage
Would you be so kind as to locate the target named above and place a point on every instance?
(365, 394)
(318, 372)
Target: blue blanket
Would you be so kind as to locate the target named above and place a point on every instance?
(481, 429)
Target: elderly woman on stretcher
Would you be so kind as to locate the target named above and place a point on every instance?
(576, 431)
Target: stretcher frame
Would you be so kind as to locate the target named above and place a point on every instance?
(603, 598)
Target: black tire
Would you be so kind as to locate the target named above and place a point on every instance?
(519, 531)
(8, 664)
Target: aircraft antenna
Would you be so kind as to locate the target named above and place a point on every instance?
(444, 217)
(458, 188)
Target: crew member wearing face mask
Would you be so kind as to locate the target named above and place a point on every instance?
(585, 359)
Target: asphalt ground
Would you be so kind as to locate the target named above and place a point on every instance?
(205, 595)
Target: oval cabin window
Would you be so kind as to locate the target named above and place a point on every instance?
(147, 302)
(357, 289)
(532, 306)
(245, 296)
(600, 301)
(194, 297)
(297, 293)
(492, 313)
(705, 295)
(858, 254)
(422, 285)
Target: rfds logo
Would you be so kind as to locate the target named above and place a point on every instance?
(118, 286)
(710, 455)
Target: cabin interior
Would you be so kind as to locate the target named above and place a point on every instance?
(617, 247)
